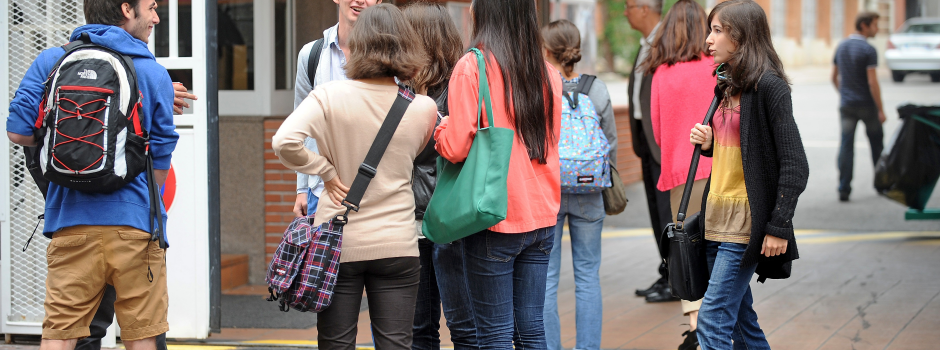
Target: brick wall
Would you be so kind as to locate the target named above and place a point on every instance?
(628, 164)
(280, 185)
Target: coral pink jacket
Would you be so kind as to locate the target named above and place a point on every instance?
(534, 189)
(679, 98)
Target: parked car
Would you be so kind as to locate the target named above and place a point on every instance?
(915, 48)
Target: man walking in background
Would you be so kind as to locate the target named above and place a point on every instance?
(644, 16)
(854, 75)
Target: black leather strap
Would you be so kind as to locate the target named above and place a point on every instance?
(687, 192)
(369, 167)
(314, 60)
(584, 85)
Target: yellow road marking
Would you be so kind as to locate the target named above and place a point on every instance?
(282, 342)
(199, 347)
(880, 236)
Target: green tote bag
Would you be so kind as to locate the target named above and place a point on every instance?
(471, 196)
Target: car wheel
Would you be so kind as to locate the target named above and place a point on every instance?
(935, 77)
(897, 76)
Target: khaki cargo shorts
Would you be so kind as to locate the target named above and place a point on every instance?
(82, 259)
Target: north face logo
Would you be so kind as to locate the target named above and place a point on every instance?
(88, 74)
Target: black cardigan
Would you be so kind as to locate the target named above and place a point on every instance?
(775, 171)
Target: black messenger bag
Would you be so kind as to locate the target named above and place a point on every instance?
(683, 242)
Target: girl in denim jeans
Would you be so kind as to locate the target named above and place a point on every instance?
(585, 211)
(759, 169)
(506, 265)
(442, 278)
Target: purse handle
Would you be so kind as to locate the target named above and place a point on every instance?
(687, 192)
(484, 92)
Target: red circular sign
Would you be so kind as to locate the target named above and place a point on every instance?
(169, 189)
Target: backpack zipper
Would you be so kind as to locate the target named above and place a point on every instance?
(86, 88)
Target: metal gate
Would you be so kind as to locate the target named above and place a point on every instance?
(30, 26)
(180, 41)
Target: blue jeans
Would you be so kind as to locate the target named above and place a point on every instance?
(506, 275)
(727, 313)
(585, 214)
(442, 281)
(448, 260)
(850, 117)
(427, 324)
(312, 201)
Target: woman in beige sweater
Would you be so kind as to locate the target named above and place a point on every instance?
(380, 243)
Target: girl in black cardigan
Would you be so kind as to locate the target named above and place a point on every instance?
(758, 172)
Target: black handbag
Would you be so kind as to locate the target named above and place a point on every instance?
(683, 242)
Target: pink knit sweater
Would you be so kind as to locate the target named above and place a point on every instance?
(680, 97)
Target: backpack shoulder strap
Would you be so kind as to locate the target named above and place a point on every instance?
(585, 84)
(368, 167)
(314, 60)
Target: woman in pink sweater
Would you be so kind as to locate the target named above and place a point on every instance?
(682, 90)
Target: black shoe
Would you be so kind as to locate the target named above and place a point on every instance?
(843, 196)
(659, 284)
(691, 341)
(661, 296)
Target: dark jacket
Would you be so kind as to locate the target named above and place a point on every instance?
(775, 171)
(644, 145)
(425, 172)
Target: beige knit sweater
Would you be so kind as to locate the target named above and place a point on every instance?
(344, 117)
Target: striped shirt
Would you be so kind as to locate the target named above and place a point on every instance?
(854, 57)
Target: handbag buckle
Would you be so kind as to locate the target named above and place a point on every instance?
(367, 170)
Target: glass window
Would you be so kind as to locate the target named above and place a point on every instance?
(284, 67)
(236, 44)
(161, 32)
(929, 28)
(185, 28)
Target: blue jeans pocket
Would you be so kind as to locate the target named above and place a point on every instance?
(546, 237)
(503, 246)
(591, 206)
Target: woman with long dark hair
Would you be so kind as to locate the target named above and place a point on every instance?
(676, 62)
(506, 265)
(442, 277)
(759, 170)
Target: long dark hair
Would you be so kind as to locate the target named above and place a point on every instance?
(563, 41)
(441, 41)
(745, 22)
(508, 29)
(680, 38)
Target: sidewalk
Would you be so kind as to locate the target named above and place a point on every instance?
(850, 290)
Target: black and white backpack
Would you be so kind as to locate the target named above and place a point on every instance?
(89, 129)
(89, 133)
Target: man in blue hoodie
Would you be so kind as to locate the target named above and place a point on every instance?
(100, 239)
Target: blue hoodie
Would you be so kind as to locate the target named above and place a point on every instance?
(130, 205)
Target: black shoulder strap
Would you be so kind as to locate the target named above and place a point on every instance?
(687, 192)
(314, 60)
(584, 85)
(368, 167)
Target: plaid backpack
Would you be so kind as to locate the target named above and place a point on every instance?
(303, 271)
(302, 274)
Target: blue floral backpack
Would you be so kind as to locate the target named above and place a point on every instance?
(583, 148)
